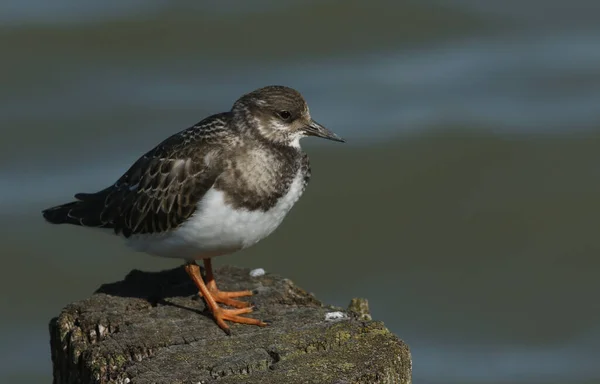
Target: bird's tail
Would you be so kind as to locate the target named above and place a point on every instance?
(60, 213)
(86, 211)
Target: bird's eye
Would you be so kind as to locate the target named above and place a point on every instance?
(285, 115)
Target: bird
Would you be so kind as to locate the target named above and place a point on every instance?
(215, 188)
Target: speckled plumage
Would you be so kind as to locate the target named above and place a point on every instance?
(245, 160)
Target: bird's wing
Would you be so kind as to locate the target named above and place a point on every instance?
(162, 188)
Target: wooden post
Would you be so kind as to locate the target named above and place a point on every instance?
(152, 328)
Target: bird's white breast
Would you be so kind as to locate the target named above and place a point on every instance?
(217, 228)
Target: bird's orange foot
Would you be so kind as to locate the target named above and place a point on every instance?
(233, 315)
(226, 298)
(220, 314)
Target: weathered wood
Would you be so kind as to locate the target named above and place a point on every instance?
(149, 328)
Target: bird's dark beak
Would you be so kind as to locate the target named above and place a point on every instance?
(316, 129)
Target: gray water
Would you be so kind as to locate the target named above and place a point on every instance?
(464, 206)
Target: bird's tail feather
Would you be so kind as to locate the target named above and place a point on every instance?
(60, 213)
(85, 212)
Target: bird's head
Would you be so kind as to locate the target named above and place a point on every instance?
(280, 115)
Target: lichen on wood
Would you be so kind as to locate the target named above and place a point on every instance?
(152, 328)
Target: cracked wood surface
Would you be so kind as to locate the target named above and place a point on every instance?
(152, 328)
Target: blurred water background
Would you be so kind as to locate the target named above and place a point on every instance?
(464, 206)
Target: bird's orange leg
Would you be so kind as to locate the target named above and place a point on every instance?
(221, 296)
(220, 314)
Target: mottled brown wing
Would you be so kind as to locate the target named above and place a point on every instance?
(160, 191)
(157, 195)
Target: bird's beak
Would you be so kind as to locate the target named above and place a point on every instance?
(315, 129)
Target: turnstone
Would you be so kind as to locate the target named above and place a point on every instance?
(217, 187)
